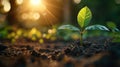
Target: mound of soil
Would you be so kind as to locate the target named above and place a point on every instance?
(59, 54)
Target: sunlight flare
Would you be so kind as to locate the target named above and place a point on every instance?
(35, 2)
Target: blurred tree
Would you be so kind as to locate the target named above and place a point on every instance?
(11, 16)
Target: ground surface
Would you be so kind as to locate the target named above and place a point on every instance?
(59, 54)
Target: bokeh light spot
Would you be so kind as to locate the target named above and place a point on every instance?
(6, 5)
(36, 16)
(19, 2)
(117, 1)
(24, 16)
(77, 1)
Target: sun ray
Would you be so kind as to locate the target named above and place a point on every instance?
(50, 17)
(53, 6)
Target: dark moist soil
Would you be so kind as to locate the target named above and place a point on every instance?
(59, 54)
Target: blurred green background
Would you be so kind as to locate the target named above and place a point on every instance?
(103, 10)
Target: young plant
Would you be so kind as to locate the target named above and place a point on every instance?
(112, 26)
(84, 17)
(114, 31)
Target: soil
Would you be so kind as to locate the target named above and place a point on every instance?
(59, 54)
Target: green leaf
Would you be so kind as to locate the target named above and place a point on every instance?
(97, 27)
(68, 27)
(116, 30)
(84, 17)
(111, 25)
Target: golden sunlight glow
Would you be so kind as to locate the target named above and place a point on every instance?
(35, 2)
(37, 5)
(19, 2)
(35, 12)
